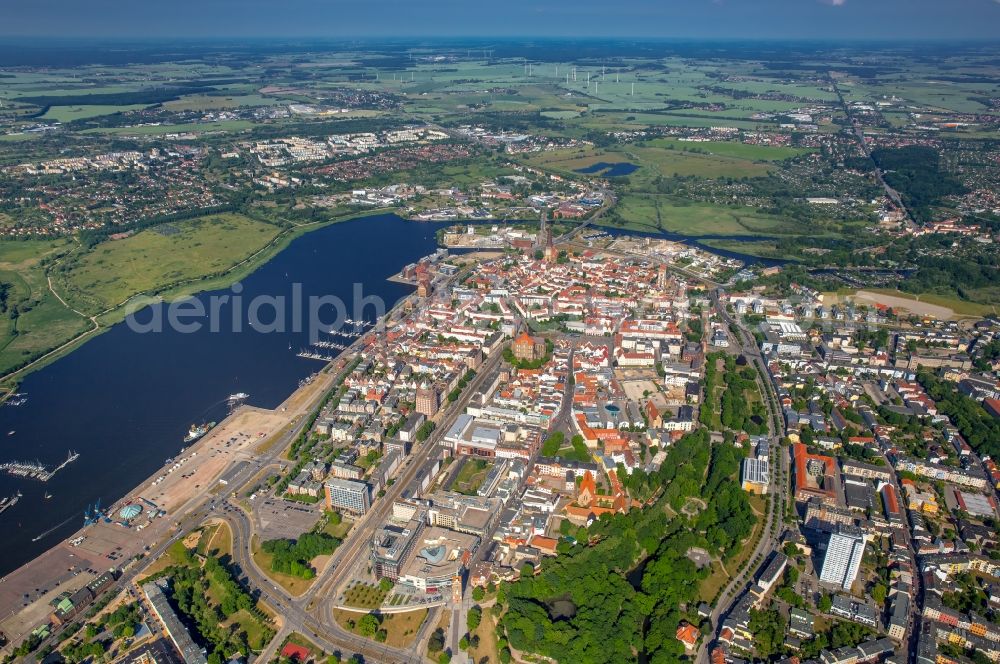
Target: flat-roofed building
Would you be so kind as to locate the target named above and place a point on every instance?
(439, 556)
(756, 475)
(392, 544)
(347, 495)
(175, 629)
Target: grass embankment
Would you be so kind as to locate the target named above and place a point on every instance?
(115, 270)
(41, 322)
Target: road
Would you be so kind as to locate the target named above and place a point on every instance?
(747, 346)
(311, 613)
(860, 134)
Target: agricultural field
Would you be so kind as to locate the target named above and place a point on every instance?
(149, 261)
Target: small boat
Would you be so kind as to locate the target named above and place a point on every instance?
(11, 432)
(239, 396)
(47, 495)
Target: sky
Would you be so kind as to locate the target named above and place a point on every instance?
(691, 19)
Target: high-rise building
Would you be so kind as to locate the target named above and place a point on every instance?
(843, 557)
(348, 495)
(427, 400)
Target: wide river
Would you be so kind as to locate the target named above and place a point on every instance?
(124, 400)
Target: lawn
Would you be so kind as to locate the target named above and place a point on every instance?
(713, 583)
(470, 477)
(217, 540)
(487, 640)
(718, 578)
(761, 248)
(293, 584)
(401, 628)
(338, 530)
(153, 259)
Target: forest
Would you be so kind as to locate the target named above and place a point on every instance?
(615, 596)
(980, 430)
(293, 557)
(915, 172)
(192, 591)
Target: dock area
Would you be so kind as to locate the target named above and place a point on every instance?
(69, 565)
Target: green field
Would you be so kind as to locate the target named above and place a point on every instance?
(761, 248)
(648, 212)
(211, 102)
(652, 162)
(734, 150)
(191, 127)
(146, 262)
(70, 113)
(42, 322)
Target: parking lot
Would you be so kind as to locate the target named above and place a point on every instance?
(283, 518)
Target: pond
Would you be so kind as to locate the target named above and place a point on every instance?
(610, 168)
(562, 608)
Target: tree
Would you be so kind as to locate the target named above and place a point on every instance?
(478, 593)
(825, 604)
(474, 617)
(879, 593)
(436, 642)
(368, 625)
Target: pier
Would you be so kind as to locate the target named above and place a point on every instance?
(36, 470)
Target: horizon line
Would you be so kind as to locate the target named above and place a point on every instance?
(511, 37)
